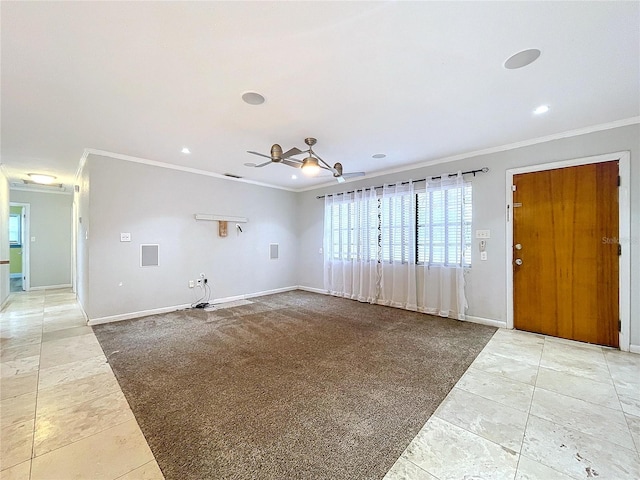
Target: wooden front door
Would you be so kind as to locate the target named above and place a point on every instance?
(565, 272)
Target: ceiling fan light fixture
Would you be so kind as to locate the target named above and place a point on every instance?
(42, 179)
(310, 166)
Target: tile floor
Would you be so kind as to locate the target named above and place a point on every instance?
(534, 408)
(529, 408)
(62, 413)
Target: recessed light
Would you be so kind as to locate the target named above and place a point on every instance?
(541, 109)
(253, 98)
(293, 177)
(185, 150)
(522, 59)
(378, 155)
(43, 179)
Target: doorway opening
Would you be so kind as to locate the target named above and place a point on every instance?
(19, 247)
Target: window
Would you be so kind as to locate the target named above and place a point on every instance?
(15, 229)
(354, 229)
(444, 226)
(397, 215)
(433, 225)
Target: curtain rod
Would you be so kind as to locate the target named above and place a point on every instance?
(480, 170)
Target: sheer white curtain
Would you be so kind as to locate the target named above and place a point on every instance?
(404, 247)
(441, 231)
(351, 245)
(398, 233)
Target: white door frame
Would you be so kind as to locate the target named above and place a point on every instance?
(624, 232)
(26, 239)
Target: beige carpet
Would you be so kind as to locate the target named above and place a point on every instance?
(292, 386)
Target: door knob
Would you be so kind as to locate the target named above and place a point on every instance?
(518, 246)
(518, 261)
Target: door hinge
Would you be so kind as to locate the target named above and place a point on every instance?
(619, 249)
(513, 188)
(619, 180)
(619, 325)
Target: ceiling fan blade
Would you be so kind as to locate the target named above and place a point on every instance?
(259, 154)
(292, 163)
(257, 166)
(353, 174)
(291, 152)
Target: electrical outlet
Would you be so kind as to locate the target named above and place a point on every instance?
(199, 282)
(483, 255)
(125, 237)
(192, 284)
(483, 233)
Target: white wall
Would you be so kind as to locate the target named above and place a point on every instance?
(50, 224)
(486, 281)
(82, 201)
(4, 238)
(157, 205)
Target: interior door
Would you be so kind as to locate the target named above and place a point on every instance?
(565, 229)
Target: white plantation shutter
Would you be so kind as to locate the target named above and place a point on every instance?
(397, 216)
(444, 225)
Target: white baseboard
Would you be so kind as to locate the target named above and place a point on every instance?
(255, 294)
(84, 314)
(634, 348)
(468, 318)
(312, 290)
(51, 287)
(173, 308)
(141, 313)
(485, 321)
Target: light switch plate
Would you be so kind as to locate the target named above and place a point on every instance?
(483, 233)
(125, 237)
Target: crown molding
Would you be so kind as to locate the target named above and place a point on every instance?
(502, 148)
(474, 153)
(170, 166)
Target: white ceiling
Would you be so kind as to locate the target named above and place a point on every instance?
(418, 81)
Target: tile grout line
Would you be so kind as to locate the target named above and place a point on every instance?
(494, 374)
(35, 411)
(419, 467)
(574, 429)
(529, 415)
(624, 414)
(119, 390)
(533, 393)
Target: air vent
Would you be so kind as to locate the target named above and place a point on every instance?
(231, 175)
(150, 255)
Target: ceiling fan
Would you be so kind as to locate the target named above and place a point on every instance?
(310, 165)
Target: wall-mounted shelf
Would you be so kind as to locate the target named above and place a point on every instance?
(220, 218)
